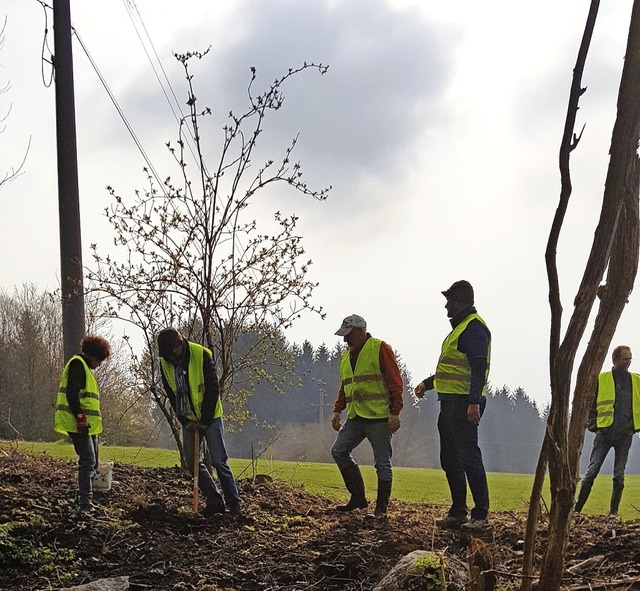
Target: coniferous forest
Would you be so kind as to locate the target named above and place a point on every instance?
(285, 419)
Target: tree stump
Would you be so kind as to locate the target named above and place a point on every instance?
(482, 575)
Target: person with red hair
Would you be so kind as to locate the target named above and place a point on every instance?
(78, 411)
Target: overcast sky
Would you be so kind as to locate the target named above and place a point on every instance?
(437, 125)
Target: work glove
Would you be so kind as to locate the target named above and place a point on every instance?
(394, 423)
(335, 421)
(82, 423)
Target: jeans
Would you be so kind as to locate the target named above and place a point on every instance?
(461, 460)
(214, 436)
(353, 433)
(602, 443)
(86, 446)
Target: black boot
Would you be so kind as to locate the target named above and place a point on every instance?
(85, 503)
(355, 485)
(583, 495)
(616, 495)
(382, 502)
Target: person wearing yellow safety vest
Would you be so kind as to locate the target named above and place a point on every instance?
(371, 391)
(614, 417)
(78, 411)
(460, 381)
(191, 384)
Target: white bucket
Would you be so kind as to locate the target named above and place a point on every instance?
(102, 477)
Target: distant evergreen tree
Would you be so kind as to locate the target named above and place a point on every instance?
(511, 432)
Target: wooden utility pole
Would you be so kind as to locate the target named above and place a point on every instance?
(73, 321)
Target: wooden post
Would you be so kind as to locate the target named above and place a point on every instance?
(196, 468)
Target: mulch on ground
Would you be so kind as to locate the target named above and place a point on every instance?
(286, 539)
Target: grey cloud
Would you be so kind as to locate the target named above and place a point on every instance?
(387, 71)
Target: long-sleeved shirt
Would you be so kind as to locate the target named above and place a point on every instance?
(392, 378)
(77, 380)
(474, 343)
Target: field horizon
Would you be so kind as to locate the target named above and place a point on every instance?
(508, 491)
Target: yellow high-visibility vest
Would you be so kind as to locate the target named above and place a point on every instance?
(453, 373)
(196, 380)
(65, 420)
(365, 390)
(607, 396)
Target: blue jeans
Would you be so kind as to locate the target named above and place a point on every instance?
(602, 443)
(461, 459)
(353, 432)
(86, 446)
(214, 435)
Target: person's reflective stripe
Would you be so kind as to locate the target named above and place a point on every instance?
(366, 393)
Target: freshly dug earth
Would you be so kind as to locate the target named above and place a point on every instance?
(286, 539)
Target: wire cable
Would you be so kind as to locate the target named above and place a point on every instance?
(132, 8)
(45, 46)
(121, 113)
(132, 133)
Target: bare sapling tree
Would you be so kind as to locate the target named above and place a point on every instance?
(194, 258)
(614, 252)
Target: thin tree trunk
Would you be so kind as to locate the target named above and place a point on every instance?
(532, 518)
(615, 244)
(567, 145)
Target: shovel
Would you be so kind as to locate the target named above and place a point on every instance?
(196, 468)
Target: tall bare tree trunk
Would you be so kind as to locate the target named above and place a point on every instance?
(615, 245)
(568, 144)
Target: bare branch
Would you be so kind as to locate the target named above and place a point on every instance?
(195, 259)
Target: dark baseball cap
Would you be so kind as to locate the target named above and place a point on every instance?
(461, 291)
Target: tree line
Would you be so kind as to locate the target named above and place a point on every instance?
(285, 417)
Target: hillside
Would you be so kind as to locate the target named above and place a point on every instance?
(286, 540)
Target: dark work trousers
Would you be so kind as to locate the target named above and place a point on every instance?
(215, 442)
(461, 459)
(86, 447)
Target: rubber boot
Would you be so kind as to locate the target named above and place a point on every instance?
(583, 495)
(382, 501)
(85, 503)
(616, 495)
(355, 485)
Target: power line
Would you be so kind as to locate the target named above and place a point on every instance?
(45, 46)
(131, 7)
(121, 113)
(132, 133)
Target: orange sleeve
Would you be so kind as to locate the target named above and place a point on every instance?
(392, 377)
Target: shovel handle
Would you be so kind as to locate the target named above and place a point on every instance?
(196, 468)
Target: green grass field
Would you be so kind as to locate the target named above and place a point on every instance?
(509, 492)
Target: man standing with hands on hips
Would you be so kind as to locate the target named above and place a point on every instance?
(371, 391)
(460, 381)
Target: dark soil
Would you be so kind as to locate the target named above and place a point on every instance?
(286, 538)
